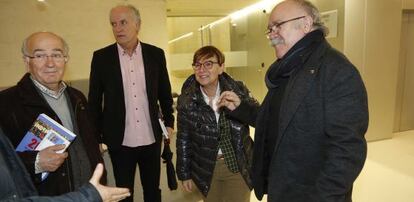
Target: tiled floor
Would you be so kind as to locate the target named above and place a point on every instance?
(388, 175)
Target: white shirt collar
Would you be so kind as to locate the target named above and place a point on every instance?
(49, 92)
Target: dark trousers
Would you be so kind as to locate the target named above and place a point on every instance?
(124, 162)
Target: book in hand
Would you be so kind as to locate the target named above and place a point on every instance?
(45, 132)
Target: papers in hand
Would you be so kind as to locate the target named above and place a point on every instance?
(45, 132)
(163, 128)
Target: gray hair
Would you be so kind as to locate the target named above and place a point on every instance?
(313, 12)
(24, 48)
(132, 8)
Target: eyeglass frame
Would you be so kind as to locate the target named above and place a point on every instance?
(272, 28)
(44, 57)
(204, 65)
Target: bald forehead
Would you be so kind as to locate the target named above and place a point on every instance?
(123, 9)
(286, 9)
(43, 36)
(36, 40)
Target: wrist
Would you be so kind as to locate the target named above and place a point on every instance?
(38, 168)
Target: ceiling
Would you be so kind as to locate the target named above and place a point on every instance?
(184, 8)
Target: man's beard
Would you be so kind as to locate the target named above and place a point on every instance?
(276, 41)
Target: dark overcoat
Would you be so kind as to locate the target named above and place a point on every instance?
(321, 148)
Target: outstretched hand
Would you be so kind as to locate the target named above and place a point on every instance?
(108, 194)
(228, 99)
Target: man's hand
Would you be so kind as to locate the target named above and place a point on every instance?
(50, 160)
(228, 99)
(108, 194)
(103, 148)
(188, 185)
(170, 131)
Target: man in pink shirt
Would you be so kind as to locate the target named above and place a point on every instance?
(127, 82)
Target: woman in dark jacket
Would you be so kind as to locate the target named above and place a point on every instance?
(213, 151)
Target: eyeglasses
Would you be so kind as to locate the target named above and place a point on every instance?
(276, 26)
(207, 64)
(56, 57)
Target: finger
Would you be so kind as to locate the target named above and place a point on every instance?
(185, 186)
(190, 186)
(56, 147)
(97, 174)
(119, 193)
(230, 97)
(187, 189)
(64, 155)
(222, 96)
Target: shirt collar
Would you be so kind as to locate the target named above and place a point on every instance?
(205, 96)
(123, 52)
(214, 99)
(49, 92)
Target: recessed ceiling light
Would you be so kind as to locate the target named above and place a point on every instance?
(41, 0)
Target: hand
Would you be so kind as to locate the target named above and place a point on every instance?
(108, 194)
(170, 131)
(228, 99)
(50, 160)
(188, 185)
(103, 148)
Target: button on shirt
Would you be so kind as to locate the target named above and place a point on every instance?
(138, 129)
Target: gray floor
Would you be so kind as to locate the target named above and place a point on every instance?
(388, 174)
(167, 196)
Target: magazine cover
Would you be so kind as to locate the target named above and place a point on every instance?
(45, 132)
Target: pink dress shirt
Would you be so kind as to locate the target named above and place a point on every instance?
(138, 129)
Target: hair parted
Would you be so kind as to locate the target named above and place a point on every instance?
(207, 52)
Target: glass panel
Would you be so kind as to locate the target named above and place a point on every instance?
(242, 41)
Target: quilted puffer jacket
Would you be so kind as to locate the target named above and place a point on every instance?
(198, 134)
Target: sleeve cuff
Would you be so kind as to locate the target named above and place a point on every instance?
(38, 169)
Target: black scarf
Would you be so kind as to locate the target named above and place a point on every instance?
(294, 58)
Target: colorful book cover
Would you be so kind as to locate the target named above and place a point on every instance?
(45, 132)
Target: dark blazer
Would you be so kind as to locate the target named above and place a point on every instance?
(106, 94)
(321, 147)
(19, 107)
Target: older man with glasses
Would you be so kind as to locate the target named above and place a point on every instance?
(42, 90)
(309, 137)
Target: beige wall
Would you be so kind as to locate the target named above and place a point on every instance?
(328, 5)
(372, 43)
(408, 4)
(84, 25)
(404, 108)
